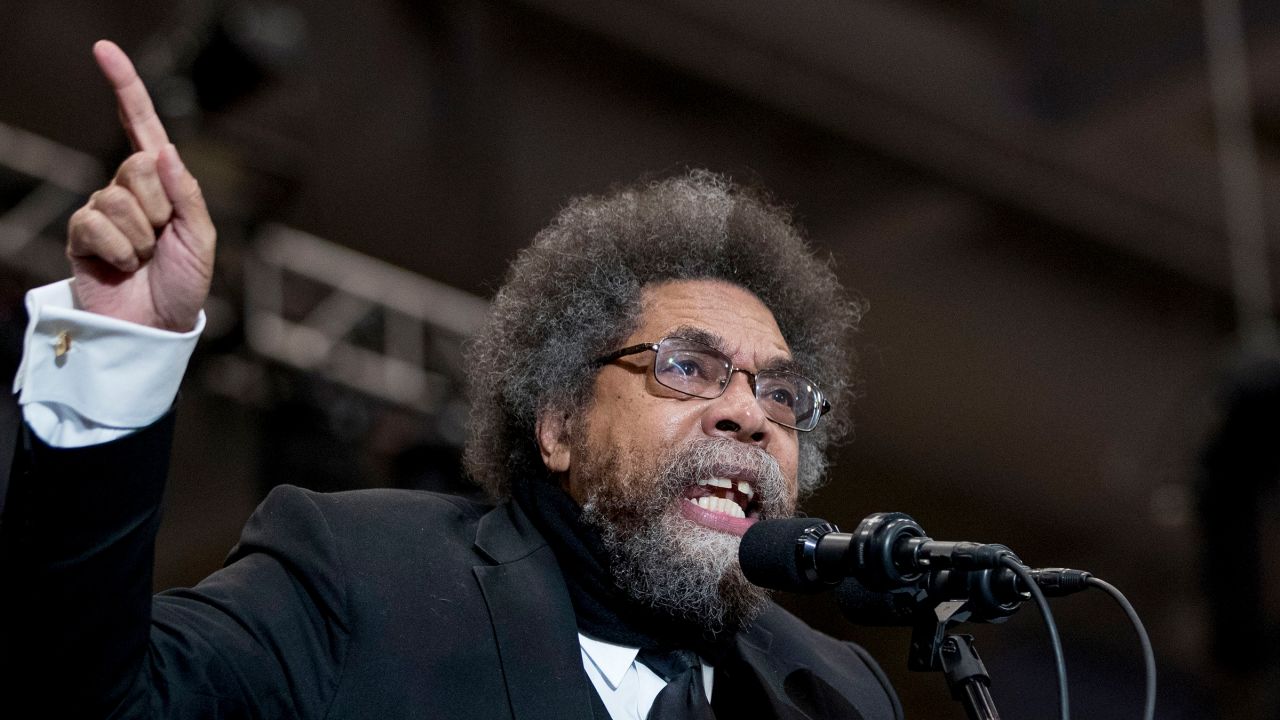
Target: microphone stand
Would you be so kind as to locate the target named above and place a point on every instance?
(933, 649)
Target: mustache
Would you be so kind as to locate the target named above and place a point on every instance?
(704, 458)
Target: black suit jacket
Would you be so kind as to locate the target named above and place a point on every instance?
(369, 604)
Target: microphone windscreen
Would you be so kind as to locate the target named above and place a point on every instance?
(769, 558)
(861, 606)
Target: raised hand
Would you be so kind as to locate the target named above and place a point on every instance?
(142, 248)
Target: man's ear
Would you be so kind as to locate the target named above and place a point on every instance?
(553, 440)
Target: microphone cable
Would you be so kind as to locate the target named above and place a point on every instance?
(1148, 655)
(1069, 581)
(791, 555)
(1009, 561)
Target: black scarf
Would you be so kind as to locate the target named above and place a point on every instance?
(603, 611)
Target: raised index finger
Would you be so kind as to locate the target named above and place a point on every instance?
(137, 114)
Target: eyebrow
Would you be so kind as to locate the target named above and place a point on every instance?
(702, 335)
(706, 337)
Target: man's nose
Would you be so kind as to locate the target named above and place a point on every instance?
(737, 414)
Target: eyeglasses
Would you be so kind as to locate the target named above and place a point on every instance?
(693, 368)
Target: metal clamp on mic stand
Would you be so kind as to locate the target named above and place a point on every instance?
(888, 572)
(932, 649)
(990, 596)
(933, 602)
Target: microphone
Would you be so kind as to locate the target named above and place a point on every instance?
(885, 551)
(896, 608)
(989, 596)
(779, 554)
(889, 573)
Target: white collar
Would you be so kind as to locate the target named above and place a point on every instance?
(613, 661)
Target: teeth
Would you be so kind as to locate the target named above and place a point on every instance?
(744, 487)
(720, 505)
(717, 482)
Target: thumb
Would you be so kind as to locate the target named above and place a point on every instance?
(184, 193)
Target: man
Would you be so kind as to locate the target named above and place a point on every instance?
(654, 378)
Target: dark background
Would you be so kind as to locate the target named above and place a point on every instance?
(1026, 193)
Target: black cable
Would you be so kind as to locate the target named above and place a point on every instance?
(1024, 575)
(1148, 655)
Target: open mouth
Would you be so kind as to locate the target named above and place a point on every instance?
(724, 502)
(732, 497)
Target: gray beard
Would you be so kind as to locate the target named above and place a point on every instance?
(659, 558)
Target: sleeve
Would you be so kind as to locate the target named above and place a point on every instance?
(86, 378)
(81, 635)
(76, 548)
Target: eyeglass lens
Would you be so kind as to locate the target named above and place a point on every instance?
(702, 371)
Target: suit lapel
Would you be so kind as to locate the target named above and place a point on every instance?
(532, 619)
(771, 679)
(755, 677)
(536, 632)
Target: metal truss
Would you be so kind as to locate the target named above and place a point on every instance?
(43, 181)
(359, 321)
(309, 304)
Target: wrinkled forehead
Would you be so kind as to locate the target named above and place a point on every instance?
(720, 314)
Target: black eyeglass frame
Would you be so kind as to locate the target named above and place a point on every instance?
(823, 409)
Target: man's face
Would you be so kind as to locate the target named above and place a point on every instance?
(650, 465)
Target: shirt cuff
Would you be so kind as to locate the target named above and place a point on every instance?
(106, 372)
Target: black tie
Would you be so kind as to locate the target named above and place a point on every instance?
(683, 698)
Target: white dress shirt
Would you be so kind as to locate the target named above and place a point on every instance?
(87, 379)
(626, 686)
